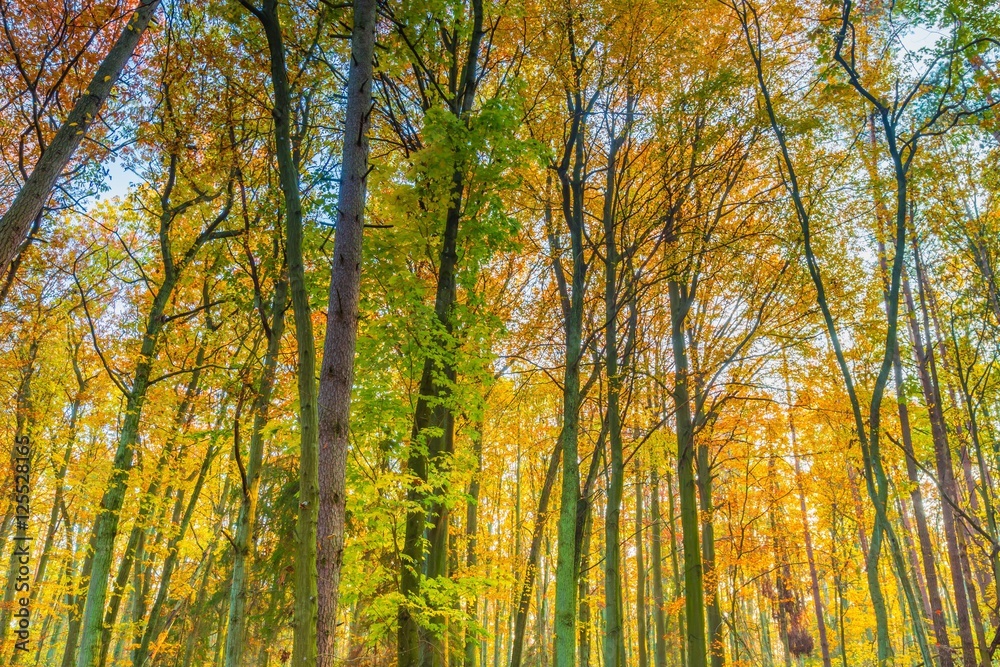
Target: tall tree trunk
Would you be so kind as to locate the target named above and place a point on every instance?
(868, 434)
(337, 371)
(614, 637)
(75, 602)
(986, 486)
(304, 644)
(138, 598)
(198, 610)
(981, 576)
(430, 445)
(431, 441)
(675, 566)
(583, 596)
(927, 373)
(566, 557)
(542, 608)
(147, 504)
(106, 524)
(920, 517)
(694, 592)
(911, 554)
(33, 195)
(933, 596)
(764, 619)
(977, 618)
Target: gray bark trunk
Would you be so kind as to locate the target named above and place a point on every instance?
(337, 370)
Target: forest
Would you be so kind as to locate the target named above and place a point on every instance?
(500, 333)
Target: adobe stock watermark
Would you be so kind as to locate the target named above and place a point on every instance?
(21, 555)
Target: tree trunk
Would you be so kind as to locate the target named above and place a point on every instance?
(977, 618)
(717, 649)
(911, 554)
(583, 579)
(694, 593)
(106, 524)
(566, 557)
(927, 373)
(675, 566)
(431, 450)
(182, 418)
(986, 487)
(337, 370)
(920, 517)
(868, 434)
(198, 610)
(304, 644)
(75, 603)
(614, 636)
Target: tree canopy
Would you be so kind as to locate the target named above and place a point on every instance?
(495, 333)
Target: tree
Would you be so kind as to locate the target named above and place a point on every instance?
(337, 370)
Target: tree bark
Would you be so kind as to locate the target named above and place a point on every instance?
(572, 195)
(926, 371)
(717, 653)
(305, 612)
(337, 371)
(694, 592)
(106, 525)
(920, 517)
(583, 595)
(147, 502)
(868, 434)
(614, 636)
